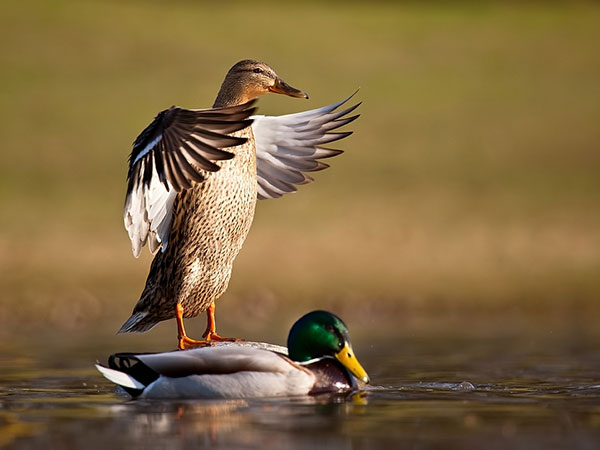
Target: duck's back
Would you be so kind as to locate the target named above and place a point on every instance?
(210, 223)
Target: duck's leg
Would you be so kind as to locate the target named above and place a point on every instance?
(210, 335)
(211, 327)
(184, 342)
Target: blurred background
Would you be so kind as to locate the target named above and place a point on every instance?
(468, 195)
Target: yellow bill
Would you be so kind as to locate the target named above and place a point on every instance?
(347, 358)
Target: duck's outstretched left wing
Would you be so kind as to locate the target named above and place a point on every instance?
(289, 146)
(179, 148)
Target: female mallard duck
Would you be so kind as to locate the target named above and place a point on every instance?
(195, 202)
(320, 356)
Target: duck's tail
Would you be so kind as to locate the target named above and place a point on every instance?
(121, 378)
(126, 370)
(139, 322)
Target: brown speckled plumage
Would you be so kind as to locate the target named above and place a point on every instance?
(194, 179)
(211, 222)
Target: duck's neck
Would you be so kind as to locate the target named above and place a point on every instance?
(232, 94)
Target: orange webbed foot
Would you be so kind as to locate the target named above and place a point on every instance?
(214, 337)
(210, 335)
(186, 343)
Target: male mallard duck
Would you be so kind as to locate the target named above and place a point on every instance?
(320, 356)
(195, 202)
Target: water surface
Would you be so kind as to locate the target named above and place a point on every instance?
(455, 390)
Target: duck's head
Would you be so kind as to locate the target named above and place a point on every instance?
(321, 333)
(249, 79)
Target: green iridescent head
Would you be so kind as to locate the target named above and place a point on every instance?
(321, 333)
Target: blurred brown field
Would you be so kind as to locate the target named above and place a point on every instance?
(471, 183)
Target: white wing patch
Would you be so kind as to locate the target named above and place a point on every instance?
(148, 214)
(290, 145)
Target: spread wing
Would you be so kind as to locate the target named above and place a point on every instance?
(175, 151)
(289, 146)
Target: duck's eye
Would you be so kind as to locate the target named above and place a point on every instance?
(258, 70)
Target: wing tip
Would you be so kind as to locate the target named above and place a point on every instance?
(340, 103)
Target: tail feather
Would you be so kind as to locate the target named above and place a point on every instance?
(137, 324)
(120, 378)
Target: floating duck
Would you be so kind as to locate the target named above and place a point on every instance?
(320, 360)
(193, 202)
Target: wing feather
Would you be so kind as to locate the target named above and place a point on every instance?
(175, 151)
(215, 360)
(290, 145)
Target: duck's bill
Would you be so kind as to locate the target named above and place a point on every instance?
(347, 358)
(281, 87)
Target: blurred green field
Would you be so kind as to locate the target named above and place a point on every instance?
(471, 182)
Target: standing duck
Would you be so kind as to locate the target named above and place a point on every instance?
(193, 181)
(319, 359)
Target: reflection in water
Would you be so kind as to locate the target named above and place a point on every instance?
(183, 420)
(235, 422)
(460, 392)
